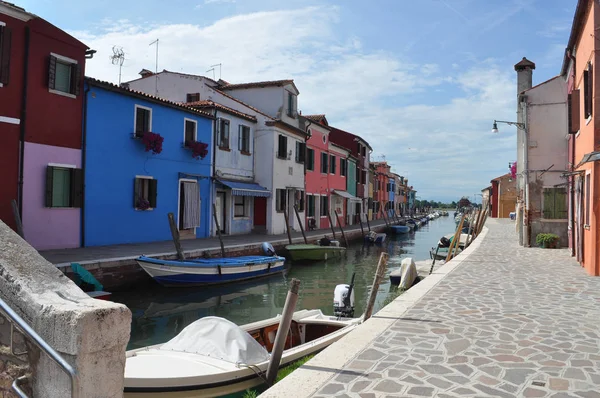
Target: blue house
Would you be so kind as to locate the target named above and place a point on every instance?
(144, 157)
(391, 194)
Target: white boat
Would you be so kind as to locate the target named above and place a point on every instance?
(214, 357)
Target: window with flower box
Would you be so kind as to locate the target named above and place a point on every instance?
(143, 121)
(145, 190)
(190, 131)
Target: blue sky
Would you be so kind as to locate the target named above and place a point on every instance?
(421, 80)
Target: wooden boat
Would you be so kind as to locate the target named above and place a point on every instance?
(214, 357)
(88, 283)
(325, 250)
(413, 222)
(202, 271)
(374, 237)
(442, 252)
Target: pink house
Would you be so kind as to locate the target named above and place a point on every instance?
(317, 166)
(338, 161)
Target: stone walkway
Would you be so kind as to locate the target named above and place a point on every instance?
(506, 322)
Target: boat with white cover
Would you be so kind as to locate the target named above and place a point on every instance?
(213, 356)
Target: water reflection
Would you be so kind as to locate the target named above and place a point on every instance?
(160, 313)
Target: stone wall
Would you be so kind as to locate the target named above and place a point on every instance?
(91, 335)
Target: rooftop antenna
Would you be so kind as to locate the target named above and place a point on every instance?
(155, 67)
(213, 66)
(213, 71)
(118, 58)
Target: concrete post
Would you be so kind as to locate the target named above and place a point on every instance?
(89, 334)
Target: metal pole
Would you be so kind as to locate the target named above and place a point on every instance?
(287, 225)
(376, 281)
(300, 222)
(175, 236)
(341, 229)
(282, 331)
(218, 230)
(434, 257)
(362, 230)
(331, 223)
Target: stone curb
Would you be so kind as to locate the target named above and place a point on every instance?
(310, 377)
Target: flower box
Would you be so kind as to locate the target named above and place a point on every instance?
(199, 149)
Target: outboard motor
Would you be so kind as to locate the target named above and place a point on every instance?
(343, 300)
(444, 242)
(268, 249)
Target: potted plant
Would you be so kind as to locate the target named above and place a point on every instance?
(547, 241)
(153, 142)
(142, 204)
(199, 149)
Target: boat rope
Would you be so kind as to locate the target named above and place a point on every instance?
(256, 370)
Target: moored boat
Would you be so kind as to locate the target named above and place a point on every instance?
(201, 271)
(314, 252)
(399, 229)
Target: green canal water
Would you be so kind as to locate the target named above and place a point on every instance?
(161, 313)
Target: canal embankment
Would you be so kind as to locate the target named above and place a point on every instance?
(497, 320)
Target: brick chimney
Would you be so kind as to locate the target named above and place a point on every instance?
(524, 75)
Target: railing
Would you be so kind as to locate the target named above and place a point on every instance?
(41, 344)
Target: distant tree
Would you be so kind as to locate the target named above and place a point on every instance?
(464, 202)
(453, 204)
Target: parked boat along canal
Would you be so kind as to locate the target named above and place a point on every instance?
(160, 313)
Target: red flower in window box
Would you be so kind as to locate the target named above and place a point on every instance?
(153, 142)
(199, 149)
(513, 170)
(142, 204)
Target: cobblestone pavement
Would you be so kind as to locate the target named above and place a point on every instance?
(508, 322)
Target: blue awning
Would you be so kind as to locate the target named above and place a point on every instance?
(246, 189)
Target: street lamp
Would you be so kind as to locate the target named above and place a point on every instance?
(495, 125)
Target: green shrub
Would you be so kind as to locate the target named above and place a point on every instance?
(547, 240)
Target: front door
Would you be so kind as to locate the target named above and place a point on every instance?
(220, 205)
(189, 208)
(260, 212)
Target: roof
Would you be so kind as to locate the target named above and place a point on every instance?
(16, 11)
(340, 146)
(288, 127)
(241, 102)
(576, 28)
(524, 63)
(167, 71)
(356, 137)
(268, 83)
(318, 118)
(501, 177)
(209, 104)
(113, 87)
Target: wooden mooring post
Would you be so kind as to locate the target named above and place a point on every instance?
(282, 331)
(218, 230)
(300, 222)
(175, 235)
(331, 223)
(379, 274)
(456, 239)
(368, 224)
(287, 225)
(362, 230)
(337, 216)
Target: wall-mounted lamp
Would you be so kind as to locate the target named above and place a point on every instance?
(495, 125)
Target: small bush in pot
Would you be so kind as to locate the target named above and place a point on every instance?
(549, 241)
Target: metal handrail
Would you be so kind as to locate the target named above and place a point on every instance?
(41, 344)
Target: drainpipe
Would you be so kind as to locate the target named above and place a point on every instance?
(83, 161)
(572, 178)
(526, 238)
(23, 122)
(213, 191)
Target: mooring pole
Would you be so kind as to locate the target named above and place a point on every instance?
(282, 331)
(376, 281)
(218, 230)
(300, 222)
(434, 257)
(456, 239)
(368, 224)
(331, 223)
(362, 230)
(287, 225)
(175, 236)
(341, 229)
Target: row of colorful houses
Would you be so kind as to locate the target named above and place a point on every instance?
(89, 163)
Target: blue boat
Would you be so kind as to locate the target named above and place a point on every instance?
(400, 229)
(205, 271)
(414, 223)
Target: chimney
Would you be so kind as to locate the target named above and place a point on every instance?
(146, 73)
(524, 75)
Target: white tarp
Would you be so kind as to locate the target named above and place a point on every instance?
(408, 272)
(218, 338)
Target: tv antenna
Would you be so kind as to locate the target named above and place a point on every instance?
(155, 67)
(212, 68)
(118, 58)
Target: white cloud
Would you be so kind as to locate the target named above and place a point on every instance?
(367, 91)
(215, 2)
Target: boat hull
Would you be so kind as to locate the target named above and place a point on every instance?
(400, 229)
(314, 252)
(210, 271)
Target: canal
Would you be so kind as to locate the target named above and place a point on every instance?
(160, 313)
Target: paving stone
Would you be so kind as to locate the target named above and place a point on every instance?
(509, 388)
(436, 369)
(464, 369)
(331, 389)
(517, 376)
(439, 382)
(492, 391)
(589, 394)
(574, 373)
(371, 355)
(388, 386)
(464, 391)
(458, 359)
(557, 384)
(457, 346)
(360, 386)
(581, 362)
(488, 380)
(421, 391)
(411, 380)
(507, 358)
(534, 392)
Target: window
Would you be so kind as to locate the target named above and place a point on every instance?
(280, 199)
(555, 203)
(299, 202)
(358, 146)
(64, 186)
(192, 97)
(143, 120)
(5, 42)
(324, 206)
(573, 112)
(364, 177)
(64, 75)
(223, 134)
(239, 206)
(282, 147)
(300, 151)
(587, 199)
(310, 205)
(291, 105)
(332, 164)
(190, 131)
(588, 90)
(310, 159)
(144, 192)
(364, 151)
(343, 167)
(324, 166)
(244, 139)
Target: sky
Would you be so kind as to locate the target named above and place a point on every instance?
(421, 81)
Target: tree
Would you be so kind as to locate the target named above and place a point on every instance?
(464, 202)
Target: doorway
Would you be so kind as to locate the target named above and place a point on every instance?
(260, 213)
(221, 208)
(189, 208)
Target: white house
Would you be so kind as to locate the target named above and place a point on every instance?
(277, 153)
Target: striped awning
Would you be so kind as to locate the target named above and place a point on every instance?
(345, 194)
(246, 189)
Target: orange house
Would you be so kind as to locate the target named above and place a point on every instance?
(579, 71)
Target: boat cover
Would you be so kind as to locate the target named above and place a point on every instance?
(218, 338)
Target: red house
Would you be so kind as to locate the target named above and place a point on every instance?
(41, 115)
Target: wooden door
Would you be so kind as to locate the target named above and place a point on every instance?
(260, 212)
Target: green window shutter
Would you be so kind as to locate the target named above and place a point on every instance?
(549, 203)
(49, 183)
(136, 192)
(76, 79)
(5, 42)
(240, 139)
(52, 72)
(76, 188)
(560, 204)
(152, 192)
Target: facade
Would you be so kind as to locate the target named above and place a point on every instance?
(355, 208)
(401, 198)
(41, 104)
(583, 178)
(342, 202)
(381, 194)
(503, 196)
(486, 197)
(133, 179)
(372, 192)
(412, 195)
(318, 195)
